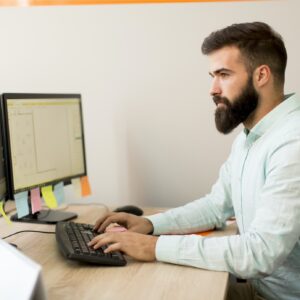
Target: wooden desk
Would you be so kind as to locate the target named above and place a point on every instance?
(71, 280)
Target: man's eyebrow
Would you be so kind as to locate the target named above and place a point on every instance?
(218, 71)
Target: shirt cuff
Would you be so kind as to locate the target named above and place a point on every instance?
(159, 222)
(179, 249)
(168, 248)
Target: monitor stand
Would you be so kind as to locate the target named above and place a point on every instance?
(46, 216)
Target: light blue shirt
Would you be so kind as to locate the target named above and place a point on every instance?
(259, 184)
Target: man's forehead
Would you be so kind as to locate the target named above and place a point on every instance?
(228, 57)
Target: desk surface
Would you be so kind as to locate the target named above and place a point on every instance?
(65, 279)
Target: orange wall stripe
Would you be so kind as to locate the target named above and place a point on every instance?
(94, 2)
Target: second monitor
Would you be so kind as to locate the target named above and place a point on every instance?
(45, 142)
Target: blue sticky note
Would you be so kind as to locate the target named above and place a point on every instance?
(59, 192)
(21, 200)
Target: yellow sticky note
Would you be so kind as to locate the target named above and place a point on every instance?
(85, 186)
(49, 196)
(6, 218)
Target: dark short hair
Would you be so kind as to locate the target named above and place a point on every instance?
(258, 42)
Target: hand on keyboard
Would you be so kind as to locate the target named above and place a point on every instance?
(136, 245)
(129, 221)
(73, 238)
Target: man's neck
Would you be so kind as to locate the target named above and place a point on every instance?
(265, 105)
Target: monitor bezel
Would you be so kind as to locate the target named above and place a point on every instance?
(3, 142)
(6, 138)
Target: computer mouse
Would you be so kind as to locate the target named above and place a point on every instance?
(130, 209)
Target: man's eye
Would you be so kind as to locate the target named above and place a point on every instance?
(223, 75)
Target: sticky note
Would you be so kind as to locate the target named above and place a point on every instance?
(36, 202)
(205, 233)
(49, 196)
(85, 186)
(2, 212)
(59, 192)
(77, 187)
(21, 200)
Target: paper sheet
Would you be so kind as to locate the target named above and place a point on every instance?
(21, 277)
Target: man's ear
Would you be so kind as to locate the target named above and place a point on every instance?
(262, 75)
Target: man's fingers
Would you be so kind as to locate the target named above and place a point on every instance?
(106, 223)
(93, 241)
(136, 245)
(112, 240)
(100, 240)
(113, 247)
(100, 221)
(115, 218)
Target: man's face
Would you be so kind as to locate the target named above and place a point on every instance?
(232, 89)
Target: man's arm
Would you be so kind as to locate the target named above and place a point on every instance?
(273, 234)
(206, 213)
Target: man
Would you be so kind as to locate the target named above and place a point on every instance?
(259, 183)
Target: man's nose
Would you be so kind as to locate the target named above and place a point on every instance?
(215, 88)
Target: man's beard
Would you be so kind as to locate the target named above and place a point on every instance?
(237, 111)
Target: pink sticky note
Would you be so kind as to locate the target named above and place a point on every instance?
(36, 203)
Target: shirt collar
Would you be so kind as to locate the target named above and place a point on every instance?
(290, 103)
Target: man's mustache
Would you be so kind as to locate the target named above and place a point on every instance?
(223, 100)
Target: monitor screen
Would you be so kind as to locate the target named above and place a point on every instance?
(45, 140)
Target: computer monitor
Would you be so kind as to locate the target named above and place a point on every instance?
(3, 190)
(44, 145)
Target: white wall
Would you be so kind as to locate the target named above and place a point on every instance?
(149, 125)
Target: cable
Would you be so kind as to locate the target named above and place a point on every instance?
(5, 237)
(89, 203)
(9, 211)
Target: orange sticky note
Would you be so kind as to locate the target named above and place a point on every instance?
(85, 186)
(204, 233)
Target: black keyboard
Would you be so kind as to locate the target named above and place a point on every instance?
(72, 239)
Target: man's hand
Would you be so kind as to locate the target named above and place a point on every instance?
(139, 246)
(131, 222)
